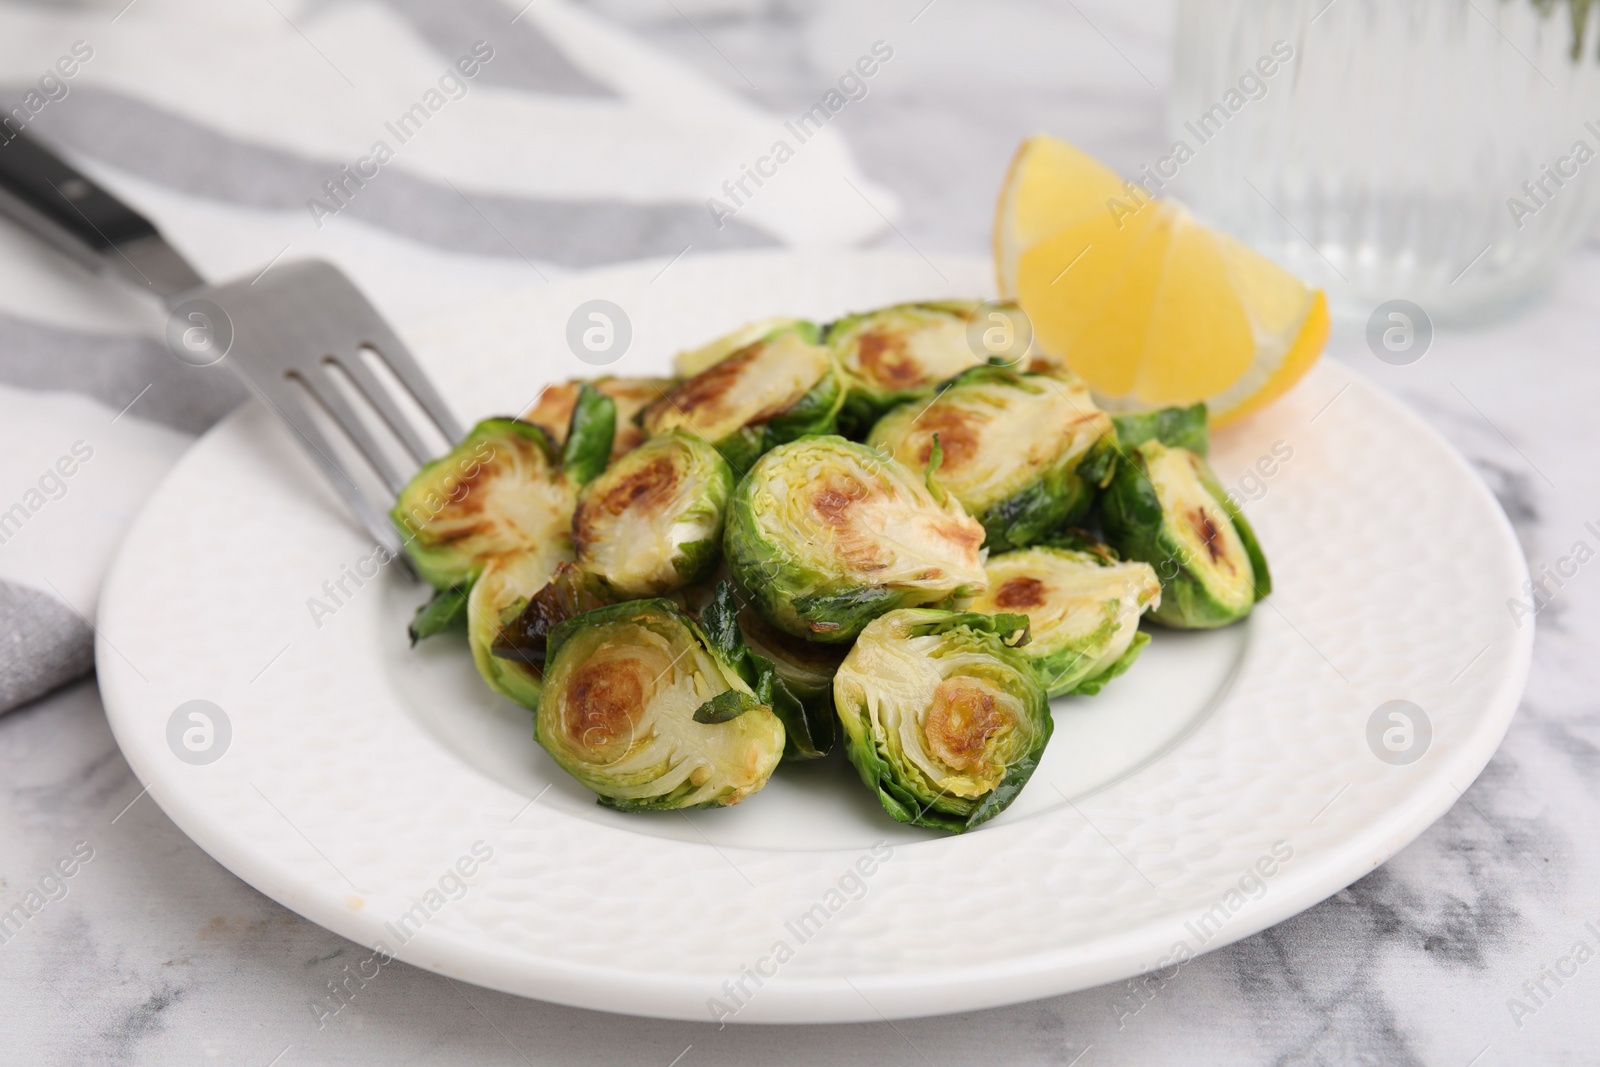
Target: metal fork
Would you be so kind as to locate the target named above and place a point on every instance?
(289, 333)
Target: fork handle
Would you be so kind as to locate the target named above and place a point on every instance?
(49, 197)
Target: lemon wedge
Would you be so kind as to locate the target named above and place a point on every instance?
(1148, 305)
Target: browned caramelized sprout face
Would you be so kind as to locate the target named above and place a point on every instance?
(775, 389)
(652, 523)
(1083, 610)
(1023, 453)
(827, 534)
(900, 353)
(499, 492)
(644, 709)
(942, 718)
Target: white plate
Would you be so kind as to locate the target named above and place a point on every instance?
(359, 772)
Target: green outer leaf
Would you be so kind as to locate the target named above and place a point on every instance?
(840, 616)
(809, 723)
(878, 776)
(1099, 463)
(802, 687)
(1136, 525)
(443, 566)
(858, 414)
(589, 436)
(725, 707)
(1090, 686)
(697, 559)
(743, 447)
(446, 612)
(941, 813)
(1036, 511)
(1057, 500)
(1174, 427)
(990, 373)
(719, 631)
(1075, 539)
(1062, 670)
(1011, 629)
(719, 621)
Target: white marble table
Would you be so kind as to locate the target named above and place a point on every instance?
(155, 954)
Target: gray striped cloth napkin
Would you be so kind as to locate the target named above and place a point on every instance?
(436, 152)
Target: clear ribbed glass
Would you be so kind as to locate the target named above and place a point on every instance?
(1442, 151)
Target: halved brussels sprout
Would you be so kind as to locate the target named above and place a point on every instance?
(652, 523)
(1083, 611)
(899, 353)
(827, 534)
(692, 361)
(498, 597)
(776, 389)
(1165, 507)
(499, 492)
(552, 411)
(1023, 453)
(802, 685)
(640, 706)
(942, 719)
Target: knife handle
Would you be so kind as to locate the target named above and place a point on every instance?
(50, 198)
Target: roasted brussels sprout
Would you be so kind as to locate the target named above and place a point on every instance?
(1165, 507)
(941, 717)
(692, 361)
(499, 492)
(899, 353)
(506, 488)
(498, 597)
(776, 389)
(641, 706)
(1083, 611)
(802, 685)
(552, 411)
(652, 523)
(827, 534)
(1023, 453)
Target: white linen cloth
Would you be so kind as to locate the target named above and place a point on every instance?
(571, 144)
